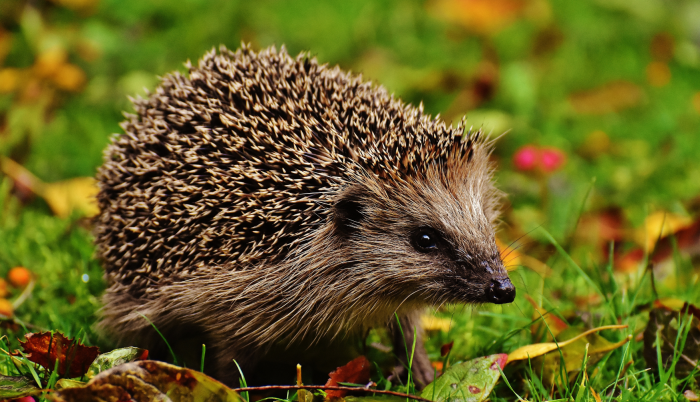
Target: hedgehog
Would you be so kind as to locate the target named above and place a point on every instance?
(265, 202)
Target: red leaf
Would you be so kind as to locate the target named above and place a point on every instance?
(356, 371)
(445, 349)
(687, 239)
(45, 348)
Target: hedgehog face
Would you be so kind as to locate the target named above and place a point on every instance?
(432, 236)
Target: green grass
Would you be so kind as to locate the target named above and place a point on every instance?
(552, 50)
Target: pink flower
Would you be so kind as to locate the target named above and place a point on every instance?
(552, 159)
(526, 158)
(546, 159)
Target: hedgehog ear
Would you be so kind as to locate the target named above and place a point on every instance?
(348, 211)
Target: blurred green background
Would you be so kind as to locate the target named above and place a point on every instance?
(611, 86)
(614, 84)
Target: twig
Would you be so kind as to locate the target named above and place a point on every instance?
(330, 388)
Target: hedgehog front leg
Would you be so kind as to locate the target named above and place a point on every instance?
(422, 371)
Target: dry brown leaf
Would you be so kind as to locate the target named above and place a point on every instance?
(612, 97)
(356, 371)
(45, 348)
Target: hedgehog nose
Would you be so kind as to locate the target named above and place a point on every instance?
(501, 291)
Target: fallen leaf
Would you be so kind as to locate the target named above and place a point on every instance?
(69, 77)
(9, 79)
(613, 97)
(446, 348)
(573, 354)
(73, 194)
(68, 383)
(45, 348)
(539, 349)
(432, 323)
(628, 262)
(690, 395)
(663, 328)
(669, 303)
(356, 371)
(686, 239)
(509, 255)
(114, 358)
(6, 308)
(658, 225)
(479, 16)
(470, 381)
(148, 381)
(17, 387)
(63, 197)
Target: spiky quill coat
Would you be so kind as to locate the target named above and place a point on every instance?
(265, 199)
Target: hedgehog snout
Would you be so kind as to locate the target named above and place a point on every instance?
(501, 291)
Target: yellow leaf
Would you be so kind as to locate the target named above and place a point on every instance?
(670, 303)
(509, 255)
(539, 349)
(49, 62)
(657, 225)
(63, 197)
(6, 309)
(69, 77)
(74, 194)
(432, 323)
(9, 79)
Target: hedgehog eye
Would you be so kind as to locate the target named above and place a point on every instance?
(425, 240)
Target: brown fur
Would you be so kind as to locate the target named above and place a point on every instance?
(266, 200)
